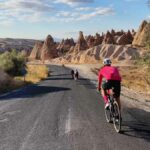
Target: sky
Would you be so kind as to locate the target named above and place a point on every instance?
(35, 19)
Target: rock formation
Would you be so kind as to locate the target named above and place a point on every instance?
(94, 40)
(122, 40)
(97, 53)
(133, 32)
(113, 33)
(90, 41)
(125, 39)
(36, 52)
(116, 37)
(71, 49)
(65, 45)
(108, 39)
(142, 37)
(129, 37)
(81, 43)
(98, 39)
(48, 50)
(119, 33)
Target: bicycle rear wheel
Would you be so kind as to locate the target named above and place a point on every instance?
(108, 115)
(116, 117)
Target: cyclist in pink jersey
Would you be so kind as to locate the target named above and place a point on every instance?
(112, 80)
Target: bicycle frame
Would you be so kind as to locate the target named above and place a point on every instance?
(112, 110)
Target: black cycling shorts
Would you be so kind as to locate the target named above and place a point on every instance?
(112, 84)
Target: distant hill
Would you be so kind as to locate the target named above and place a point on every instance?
(18, 44)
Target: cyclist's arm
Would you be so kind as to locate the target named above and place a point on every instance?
(99, 80)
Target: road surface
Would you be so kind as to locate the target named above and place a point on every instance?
(63, 114)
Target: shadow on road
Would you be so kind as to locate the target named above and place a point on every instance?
(66, 77)
(60, 75)
(59, 78)
(87, 83)
(32, 91)
(140, 127)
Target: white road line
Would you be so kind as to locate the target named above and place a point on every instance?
(4, 120)
(12, 112)
(68, 122)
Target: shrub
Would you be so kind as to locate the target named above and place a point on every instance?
(12, 62)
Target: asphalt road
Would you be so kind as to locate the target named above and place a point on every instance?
(63, 114)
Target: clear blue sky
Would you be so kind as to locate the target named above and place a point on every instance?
(64, 18)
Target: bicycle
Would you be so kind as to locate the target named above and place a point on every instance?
(112, 113)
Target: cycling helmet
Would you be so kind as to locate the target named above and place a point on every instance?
(107, 61)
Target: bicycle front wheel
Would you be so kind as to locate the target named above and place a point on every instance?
(116, 117)
(108, 115)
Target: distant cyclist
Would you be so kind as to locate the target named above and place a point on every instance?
(112, 80)
(76, 74)
(72, 74)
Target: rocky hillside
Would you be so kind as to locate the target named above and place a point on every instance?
(95, 54)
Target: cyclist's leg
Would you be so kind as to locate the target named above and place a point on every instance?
(117, 90)
(118, 101)
(104, 91)
(104, 96)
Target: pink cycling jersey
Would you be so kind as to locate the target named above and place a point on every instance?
(109, 73)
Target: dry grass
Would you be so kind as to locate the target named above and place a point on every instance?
(134, 77)
(35, 73)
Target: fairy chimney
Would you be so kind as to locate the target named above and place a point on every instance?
(81, 43)
(142, 36)
(108, 39)
(36, 51)
(49, 49)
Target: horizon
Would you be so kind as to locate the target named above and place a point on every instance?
(34, 19)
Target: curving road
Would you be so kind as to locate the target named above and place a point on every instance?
(63, 114)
